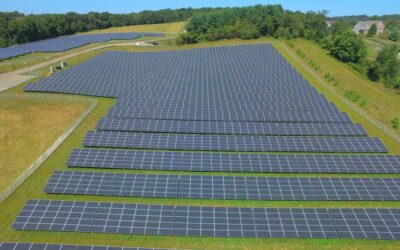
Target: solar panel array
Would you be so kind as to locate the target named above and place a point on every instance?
(223, 187)
(47, 246)
(232, 162)
(124, 218)
(226, 127)
(244, 143)
(176, 111)
(231, 115)
(64, 43)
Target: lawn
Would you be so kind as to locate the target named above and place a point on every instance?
(376, 44)
(33, 187)
(168, 28)
(29, 125)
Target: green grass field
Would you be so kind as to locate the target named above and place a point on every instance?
(29, 126)
(33, 187)
(376, 44)
(167, 28)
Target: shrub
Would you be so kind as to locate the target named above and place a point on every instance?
(396, 123)
(363, 103)
(186, 38)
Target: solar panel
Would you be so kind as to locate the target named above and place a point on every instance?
(224, 127)
(244, 143)
(35, 246)
(64, 43)
(110, 184)
(223, 187)
(214, 221)
(293, 223)
(230, 162)
(123, 218)
(367, 223)
(48, 246)
(48, 215)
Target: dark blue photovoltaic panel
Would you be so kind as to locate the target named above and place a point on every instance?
(232, 115)
(64, 43)
(110, 184)
(230, 162)
(244, 143)
(223, 187)
(224, 127)
(73, 216)
(293, 223)
(367, 223)
(48, 246)
(124, 218)
(267, 104)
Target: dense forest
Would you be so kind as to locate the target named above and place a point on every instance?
(16, 28)
(252, 22)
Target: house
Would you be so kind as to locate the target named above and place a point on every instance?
(329, 23)
(363, 27)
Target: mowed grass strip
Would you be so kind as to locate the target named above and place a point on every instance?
(29, 126)
(168, 28)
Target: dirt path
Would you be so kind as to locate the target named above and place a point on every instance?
(11, 79)
(364, 114)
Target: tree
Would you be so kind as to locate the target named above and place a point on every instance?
(186, 38)
(394, 35)
(348, 47)
(386, 67)
(247, 30)
(340, 27)
(373, 30)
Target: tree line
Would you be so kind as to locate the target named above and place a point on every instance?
(253, 22)
(17, 28)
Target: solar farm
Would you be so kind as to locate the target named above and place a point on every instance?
(60, 44)
(234, 124)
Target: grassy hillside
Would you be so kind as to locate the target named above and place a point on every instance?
(29, 125)
(376, 44)
(168, 28)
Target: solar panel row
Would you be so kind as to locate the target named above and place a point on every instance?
(225, 127)
(223, 187)
(48, 246)
(123, 218)
(64, 43)
(232, 115)
(166, 104)
(244, 143)
(230, 162)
